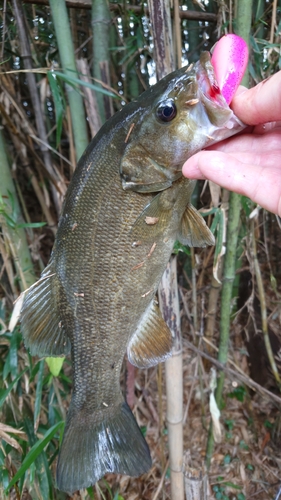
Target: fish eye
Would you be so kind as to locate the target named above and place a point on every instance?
(166, 111)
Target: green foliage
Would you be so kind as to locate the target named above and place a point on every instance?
(34, 453)
(267, 424)
(229, 424)
(243, 445)
(4, 393)
(31, 455)
(220, 491)
(59, 102)
(227, 459)
(238, 393)
(55, 365)
(8, 212)
(179, 247)
(76, 82)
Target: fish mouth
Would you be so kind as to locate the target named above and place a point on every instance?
(144, 188)
(207, 82)
(209, 93)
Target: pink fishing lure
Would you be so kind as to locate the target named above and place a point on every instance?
(229, 59)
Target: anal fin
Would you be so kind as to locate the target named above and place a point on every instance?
(152, 341)
(194, 231)
(41, 326)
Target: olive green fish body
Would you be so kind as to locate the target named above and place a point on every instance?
(125, 207)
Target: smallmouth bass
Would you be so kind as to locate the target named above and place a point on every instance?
(125, 207)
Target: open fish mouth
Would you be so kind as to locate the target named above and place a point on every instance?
(209, 93)
(207, 81)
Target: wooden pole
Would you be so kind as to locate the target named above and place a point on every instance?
(169, 305)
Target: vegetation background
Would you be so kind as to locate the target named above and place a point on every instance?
(65, 69)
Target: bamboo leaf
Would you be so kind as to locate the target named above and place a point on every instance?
(215, 221)
(13, 354)
(71, 80)
(34, 453)
(16, 313)
(58, 102)
(205, 212)
(31, 224)
(55, 365)
(220, 246)
(4, 393)
(90, 493)
(10, 440)
(39, 385)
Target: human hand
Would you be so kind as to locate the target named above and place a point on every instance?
(249, 164)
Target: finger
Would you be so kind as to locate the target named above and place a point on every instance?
(260, 104)
(267, 127)
(269, 141)
(239, 91)
(261, 184)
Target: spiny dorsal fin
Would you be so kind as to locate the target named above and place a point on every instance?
(41, 326)
(194, 231)
(152, 341)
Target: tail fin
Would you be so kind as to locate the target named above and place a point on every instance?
(89, 449)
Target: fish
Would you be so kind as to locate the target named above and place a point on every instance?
(125, 207)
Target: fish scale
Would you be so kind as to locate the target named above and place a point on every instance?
(126, 205)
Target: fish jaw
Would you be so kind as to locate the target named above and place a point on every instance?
(157, 149)
(223, 123)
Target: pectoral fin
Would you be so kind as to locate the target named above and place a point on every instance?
(152, 342)
(194, 231)
(156, 218)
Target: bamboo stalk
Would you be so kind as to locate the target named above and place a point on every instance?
(195, 480)
(35, 184)
(66, 51)
(7, 264)
(15, 237)
(160, 413)
(273, 21)
(228, 278)
(212, 307)
(101, 21)
(243, 29)
(177, 33)
(28, 131)
(39, 119)
(194, 291)
(169, 305)
(91, 104)
(159, 11)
